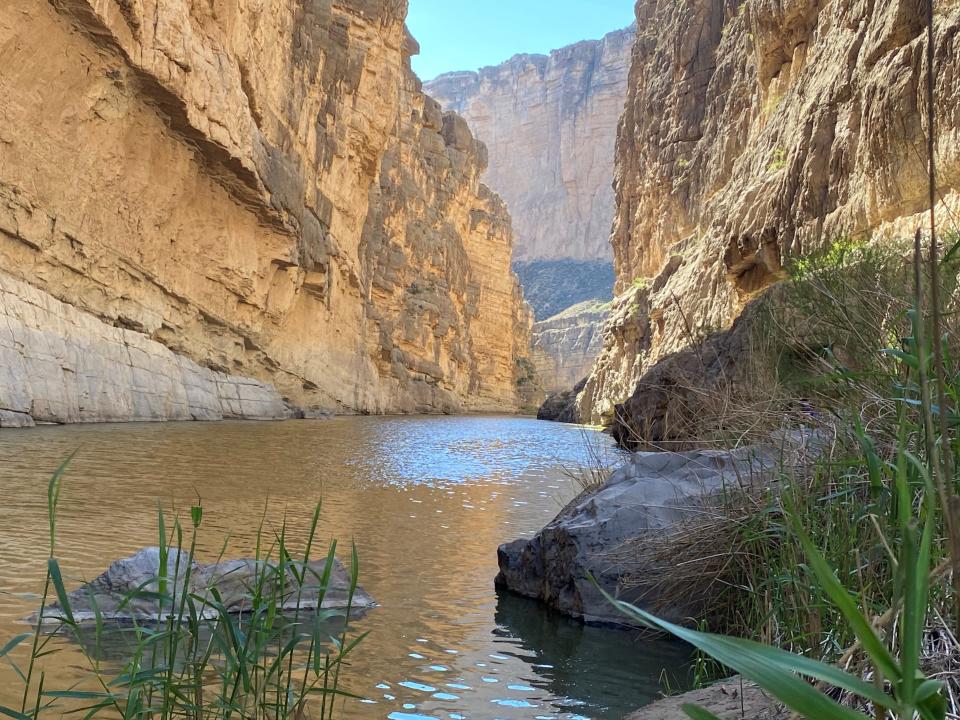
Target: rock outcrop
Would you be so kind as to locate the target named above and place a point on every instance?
(566, 345)
(549, 123)
(561, 406)
(732, 699)
(649, 493)
(61, 365)
(127, 590)
(755, 132)
(259, 188)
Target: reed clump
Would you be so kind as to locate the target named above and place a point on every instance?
(198, 660)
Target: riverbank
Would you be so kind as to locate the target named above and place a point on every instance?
(733, 699)
(821, 556)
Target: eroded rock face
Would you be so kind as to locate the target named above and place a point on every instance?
(61, 365)
(448, 323)
(566, 345)
(549, 123)
(754, 132)
(210, 179)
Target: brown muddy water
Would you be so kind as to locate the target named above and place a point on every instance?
(427, 500)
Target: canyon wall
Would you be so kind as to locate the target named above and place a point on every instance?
(566, 345)
(249, 200)
(549, 123)
(756, 132)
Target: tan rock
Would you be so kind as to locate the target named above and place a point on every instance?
(566, 345)
(549, 123)
(61, 365)
(755, 132)
(733, 699)
(205, 179)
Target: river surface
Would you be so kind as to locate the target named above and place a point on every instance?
(427, 500)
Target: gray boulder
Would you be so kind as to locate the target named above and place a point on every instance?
(115, 592)
(650, 492)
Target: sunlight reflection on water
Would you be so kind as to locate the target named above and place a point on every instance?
(428, 501)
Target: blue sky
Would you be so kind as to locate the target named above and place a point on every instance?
(469, 34)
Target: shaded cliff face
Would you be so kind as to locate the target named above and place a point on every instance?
(754, 132)
(549, 123)
(206, 180)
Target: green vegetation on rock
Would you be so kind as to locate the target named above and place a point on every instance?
(552, 286)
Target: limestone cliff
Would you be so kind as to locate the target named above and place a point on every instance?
(550, 125)
(566, 345)
(756, 131)
(247, 200)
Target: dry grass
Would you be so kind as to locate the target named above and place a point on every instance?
(815, 354)
(600, 463)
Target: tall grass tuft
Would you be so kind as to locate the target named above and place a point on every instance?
(199, 660)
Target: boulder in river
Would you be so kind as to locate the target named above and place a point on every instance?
(651, 492)
(127, 590)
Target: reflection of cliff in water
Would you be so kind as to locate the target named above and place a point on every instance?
(603, 666)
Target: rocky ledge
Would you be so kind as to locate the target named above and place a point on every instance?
(127, 590)
(562, 406)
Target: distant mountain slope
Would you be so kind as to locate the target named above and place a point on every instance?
(552, 286)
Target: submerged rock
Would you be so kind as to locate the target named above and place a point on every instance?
(650, 492)
(127, 590)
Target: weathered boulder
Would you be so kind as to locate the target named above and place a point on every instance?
(650, 492)
(114, 593)
(685, 397)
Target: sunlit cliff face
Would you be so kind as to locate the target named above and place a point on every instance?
(549, 124)
(206, 180)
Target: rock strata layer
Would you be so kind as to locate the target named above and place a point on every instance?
(61, 365)
(566, 345)
(755, 132)
(549, 123)
(261, 189)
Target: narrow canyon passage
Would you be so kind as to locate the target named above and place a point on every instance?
(257, 255)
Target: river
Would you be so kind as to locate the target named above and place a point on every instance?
(427, 500)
